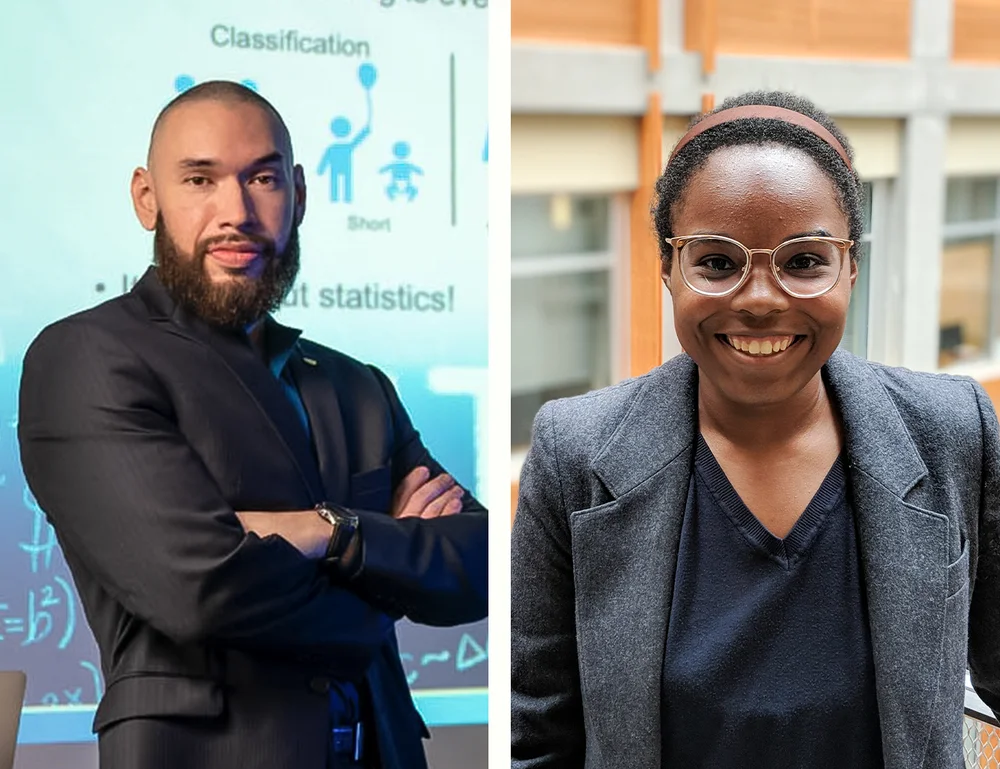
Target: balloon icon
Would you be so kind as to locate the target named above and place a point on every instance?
(366, 74)
(183, 83)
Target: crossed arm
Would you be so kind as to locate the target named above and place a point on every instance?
(418, 496)
(148, 523)
(427, 579)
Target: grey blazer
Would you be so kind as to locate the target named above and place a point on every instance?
(595, 543)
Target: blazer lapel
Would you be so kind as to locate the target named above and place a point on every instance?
(236, 351)
(327, 423)
(904, 555)
(626, 554)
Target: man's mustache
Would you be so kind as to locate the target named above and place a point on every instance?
(265, 244)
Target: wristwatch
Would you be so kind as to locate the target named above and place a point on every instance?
(345, 528)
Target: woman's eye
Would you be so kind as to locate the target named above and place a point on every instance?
(717, 263)
(803, 262)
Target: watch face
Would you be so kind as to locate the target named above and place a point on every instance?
(337, 515)
(344, 515)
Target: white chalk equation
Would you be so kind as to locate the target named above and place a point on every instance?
(47, 613)
(468, 654)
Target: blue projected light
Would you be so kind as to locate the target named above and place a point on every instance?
(393, 255)
(72, 723)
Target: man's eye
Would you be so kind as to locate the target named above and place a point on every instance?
(197, 181)
(266, 179)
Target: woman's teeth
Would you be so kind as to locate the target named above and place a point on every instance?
(770, 345)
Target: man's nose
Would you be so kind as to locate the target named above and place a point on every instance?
(234, 205)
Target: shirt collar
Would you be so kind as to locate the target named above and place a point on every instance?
(275, 341)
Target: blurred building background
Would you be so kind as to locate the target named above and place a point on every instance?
(601, 90)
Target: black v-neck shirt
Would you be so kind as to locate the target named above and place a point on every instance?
(768, 657)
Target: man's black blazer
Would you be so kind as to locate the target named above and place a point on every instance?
(142, 430)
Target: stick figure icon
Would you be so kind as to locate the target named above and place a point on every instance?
(339, 156)
(401, 173)
(183, 82)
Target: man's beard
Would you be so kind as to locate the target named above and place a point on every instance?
(235, 303)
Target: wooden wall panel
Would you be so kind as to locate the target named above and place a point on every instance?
(992, 387)
(645, 287)
(976, 30)
(579, 21)
(546, 152)
(853, 29)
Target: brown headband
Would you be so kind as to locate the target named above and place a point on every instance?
(770, 113)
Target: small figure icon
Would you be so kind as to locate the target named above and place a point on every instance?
(401, 179)
(339, 156)
(184, 82)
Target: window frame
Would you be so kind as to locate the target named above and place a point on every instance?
(883, 341)
(614, 260)
(978, 229)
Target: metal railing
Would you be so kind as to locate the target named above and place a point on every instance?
(980, 732)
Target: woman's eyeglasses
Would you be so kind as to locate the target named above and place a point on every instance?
(805, 268)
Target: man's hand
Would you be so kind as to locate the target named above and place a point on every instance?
(303, 529)
(420, 496)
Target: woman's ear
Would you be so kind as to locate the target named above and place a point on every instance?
(665, 274)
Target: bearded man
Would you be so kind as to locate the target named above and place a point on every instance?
(246, 514)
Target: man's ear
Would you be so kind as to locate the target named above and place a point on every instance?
(144, 198)
(299, 182)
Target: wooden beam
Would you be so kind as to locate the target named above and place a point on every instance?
(645, 288)
(710, 36)
(649, 32)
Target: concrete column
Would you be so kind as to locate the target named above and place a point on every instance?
(919, 228)
(920, 210)
(931, 29)
(671, 27)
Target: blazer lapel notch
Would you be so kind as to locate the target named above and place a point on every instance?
(904, 556)
(626, 550)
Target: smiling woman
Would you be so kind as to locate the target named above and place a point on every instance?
(762, 552)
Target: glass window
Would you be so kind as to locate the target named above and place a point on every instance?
(966, 274)
(560, 302)
(968, 320)
(560, 342)
(558, 224)
(856, 331)
(971, 200)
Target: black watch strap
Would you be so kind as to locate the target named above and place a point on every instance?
(345, 527)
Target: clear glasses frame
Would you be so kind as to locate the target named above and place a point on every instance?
(679, 243)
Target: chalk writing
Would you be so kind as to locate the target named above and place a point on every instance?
(468, 654)
(43, 536)
(98, 680)
(39, 622)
